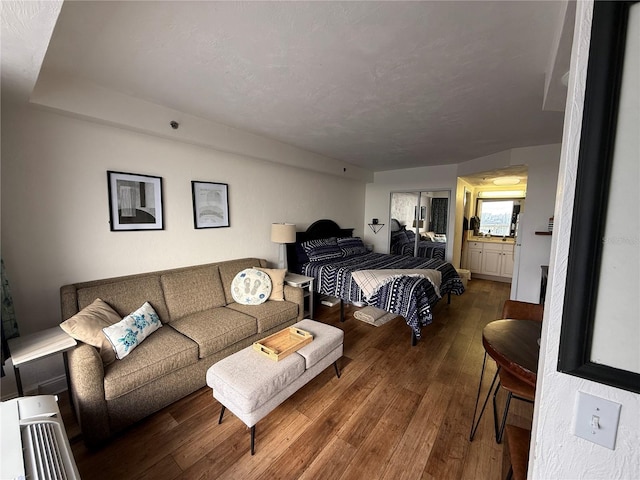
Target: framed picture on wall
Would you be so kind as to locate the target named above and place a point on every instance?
(210, 204)
(135, 202)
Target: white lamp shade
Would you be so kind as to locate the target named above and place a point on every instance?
(283, 232)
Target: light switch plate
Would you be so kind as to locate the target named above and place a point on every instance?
(596, 419)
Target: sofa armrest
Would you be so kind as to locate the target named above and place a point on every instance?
(295, 295)
(86, 374)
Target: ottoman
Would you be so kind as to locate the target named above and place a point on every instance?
(251, 385)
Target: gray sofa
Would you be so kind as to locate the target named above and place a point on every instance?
(202, 324)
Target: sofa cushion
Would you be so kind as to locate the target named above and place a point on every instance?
(229, 269)
(277, 282)
(192, 291)
(86, 326)
(216, 329)
(125, 296)
(130, 332)
(269, 314)
(162, 353)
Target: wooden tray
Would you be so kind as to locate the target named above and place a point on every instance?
(283, 343)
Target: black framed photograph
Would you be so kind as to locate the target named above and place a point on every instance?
(135, 202)
(601, 324)
(210, 204)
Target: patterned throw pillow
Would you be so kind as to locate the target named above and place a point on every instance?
(251, 287)
(399, 237)
(352, 246)
(324, 249)
(129, 332)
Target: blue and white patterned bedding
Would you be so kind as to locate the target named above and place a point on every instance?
(426, 249)
(411, 297)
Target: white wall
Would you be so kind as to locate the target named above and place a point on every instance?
(378, 197)
(542, 174)
(55, 213)
(555, 451)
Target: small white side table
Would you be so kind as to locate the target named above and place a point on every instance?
(302, 281)
(39, 345)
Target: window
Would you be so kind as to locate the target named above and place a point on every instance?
(498, 216)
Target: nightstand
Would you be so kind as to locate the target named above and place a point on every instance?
(302, 281)
(38, 345)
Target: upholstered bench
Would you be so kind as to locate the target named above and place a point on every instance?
(251, 385)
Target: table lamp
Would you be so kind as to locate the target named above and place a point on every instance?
(283, 233)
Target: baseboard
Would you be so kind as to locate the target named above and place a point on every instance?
(50, 387)
(490, 277)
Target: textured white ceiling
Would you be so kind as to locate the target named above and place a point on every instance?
(381, 85)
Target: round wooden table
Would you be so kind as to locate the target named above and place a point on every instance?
(513, 344)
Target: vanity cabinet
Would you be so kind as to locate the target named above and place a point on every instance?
(495, 259)
(474, 256)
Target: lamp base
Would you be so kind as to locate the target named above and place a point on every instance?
(282, 258)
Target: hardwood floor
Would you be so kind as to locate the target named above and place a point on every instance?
(397, 412)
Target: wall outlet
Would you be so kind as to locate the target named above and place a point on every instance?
(596, 420)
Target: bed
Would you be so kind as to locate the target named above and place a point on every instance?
(403, 243)
(411, 296)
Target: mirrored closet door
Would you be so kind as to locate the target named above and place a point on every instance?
(418, 223)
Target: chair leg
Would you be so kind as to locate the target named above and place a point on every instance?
(500, 430)
(221, 414)
(510, 474)
(474, 423)
(335, 365)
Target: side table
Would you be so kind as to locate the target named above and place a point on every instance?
(302, 281)
(39, 345)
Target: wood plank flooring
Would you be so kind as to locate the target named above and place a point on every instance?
(397, 412)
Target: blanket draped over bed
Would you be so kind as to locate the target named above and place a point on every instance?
(410, 296)
(370, 281)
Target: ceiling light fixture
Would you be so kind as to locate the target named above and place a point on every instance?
(503, 181)
(503, 194)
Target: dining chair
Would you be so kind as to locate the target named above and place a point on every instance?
(514, 387)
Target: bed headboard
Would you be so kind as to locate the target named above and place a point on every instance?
(316, 231)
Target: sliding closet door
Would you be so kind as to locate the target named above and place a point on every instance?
(412, 215)
(402, 216)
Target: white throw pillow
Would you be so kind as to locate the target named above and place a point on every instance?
(129, 332)
(251, 287)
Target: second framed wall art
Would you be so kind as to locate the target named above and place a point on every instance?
(210, 204)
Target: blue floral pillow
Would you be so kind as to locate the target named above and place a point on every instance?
(352, 246)
(129, 332)
(320, 250)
